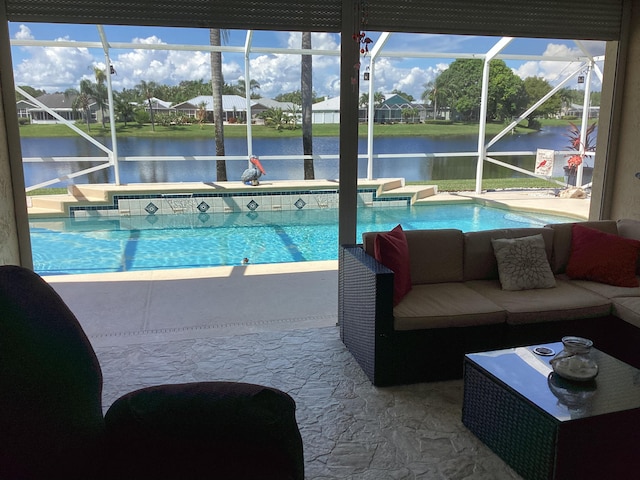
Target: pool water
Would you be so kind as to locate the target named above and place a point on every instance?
(118, 244)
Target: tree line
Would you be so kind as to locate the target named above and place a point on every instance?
(458, 88)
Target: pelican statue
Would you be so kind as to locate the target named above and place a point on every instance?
(251, 175)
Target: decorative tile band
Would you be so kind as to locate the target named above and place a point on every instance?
(212, 203)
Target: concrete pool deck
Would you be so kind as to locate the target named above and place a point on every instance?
(159, 305)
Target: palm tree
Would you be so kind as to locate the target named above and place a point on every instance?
(378, 99)
(306, 88)
(565, 100)
(147, 90)
(83, 99)
(292, 116)
(100, 92)
(201, 113)
(435, 93)
(215, 35)
(123, 108)
(253, 86)
(363, 102)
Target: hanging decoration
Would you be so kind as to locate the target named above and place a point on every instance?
(360, 36)
(362, 17)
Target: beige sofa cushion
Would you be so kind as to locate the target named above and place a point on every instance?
(435, 255)
(563, 302)
(443, 305)
(629, 228)
(606, 290)
(628, 309)
(479, 259)
(562, 240)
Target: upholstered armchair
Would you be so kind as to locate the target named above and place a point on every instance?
(51, 416)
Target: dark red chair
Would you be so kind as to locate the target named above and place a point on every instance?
(51, 417)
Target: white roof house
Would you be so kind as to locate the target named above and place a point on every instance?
(59, 103)
(327, 111)
(234, 106)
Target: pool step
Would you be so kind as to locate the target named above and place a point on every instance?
(58, 204)
(102, 194)
(416, 192)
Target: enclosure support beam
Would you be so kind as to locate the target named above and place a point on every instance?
(482, 149)
(349, 92)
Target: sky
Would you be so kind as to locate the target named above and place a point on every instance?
(55, 69)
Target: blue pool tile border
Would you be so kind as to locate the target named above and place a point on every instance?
(296, 203)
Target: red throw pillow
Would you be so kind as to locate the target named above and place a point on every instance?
(603, 257)
(391, 249)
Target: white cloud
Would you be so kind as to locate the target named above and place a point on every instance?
(552, 71)
(57, 68)
(388, 75)
(24, 33)
(52, 69)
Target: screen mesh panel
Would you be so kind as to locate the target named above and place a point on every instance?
(288, 15)
(583, 19)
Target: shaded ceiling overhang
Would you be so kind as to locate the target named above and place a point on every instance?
(586, 19)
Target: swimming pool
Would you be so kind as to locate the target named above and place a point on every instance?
(118, 244)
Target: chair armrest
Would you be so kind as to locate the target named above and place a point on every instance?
(206, 429)
(365, 316)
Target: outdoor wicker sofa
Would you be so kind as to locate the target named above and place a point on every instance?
(457, 304)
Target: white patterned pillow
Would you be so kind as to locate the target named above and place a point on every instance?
(523, 263)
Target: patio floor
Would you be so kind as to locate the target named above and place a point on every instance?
(276, 325)
(277, 328)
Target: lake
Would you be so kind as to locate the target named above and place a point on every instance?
(411, 169)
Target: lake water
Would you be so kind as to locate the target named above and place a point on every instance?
(411, 169)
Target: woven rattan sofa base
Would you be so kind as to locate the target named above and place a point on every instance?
(390, 357)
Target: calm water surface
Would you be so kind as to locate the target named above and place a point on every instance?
(199, 171)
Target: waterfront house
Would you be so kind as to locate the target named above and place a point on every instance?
(59, 103)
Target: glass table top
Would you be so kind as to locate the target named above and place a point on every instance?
(616, 387)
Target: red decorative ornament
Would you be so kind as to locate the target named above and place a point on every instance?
(361, 36)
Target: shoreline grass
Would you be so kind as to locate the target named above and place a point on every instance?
(261, 131)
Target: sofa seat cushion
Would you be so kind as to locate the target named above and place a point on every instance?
(604, 289)
(444, 305)
(628, 309)
(563, 302)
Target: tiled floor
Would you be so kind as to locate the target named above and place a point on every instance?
(172, 327)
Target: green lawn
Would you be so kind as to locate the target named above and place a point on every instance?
(260, 131)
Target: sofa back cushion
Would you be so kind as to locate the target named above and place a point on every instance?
(479, 257)
(629, 228)
(435, 255)
(562, 240)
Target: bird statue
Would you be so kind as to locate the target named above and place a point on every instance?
(251, 175)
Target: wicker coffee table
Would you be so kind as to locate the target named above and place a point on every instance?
(546, 427)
